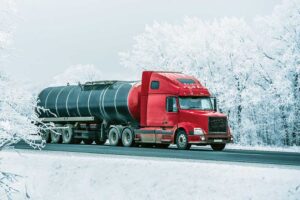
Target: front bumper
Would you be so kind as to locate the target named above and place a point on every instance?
(209, 139)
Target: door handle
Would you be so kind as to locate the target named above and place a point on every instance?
(165, 122)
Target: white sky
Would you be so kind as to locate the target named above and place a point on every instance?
(52, 35)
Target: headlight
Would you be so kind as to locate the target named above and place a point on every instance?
(198, 131)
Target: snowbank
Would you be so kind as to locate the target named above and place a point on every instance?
(264, 148)
(295, 149)
(52, 175)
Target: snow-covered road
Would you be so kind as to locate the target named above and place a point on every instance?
(54, 175)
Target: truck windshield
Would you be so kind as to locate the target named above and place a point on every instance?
(195, 103)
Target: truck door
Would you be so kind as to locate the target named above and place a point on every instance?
(169, 119)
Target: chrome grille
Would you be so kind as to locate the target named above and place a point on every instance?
(217, 125)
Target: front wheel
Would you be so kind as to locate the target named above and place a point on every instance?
(182, 141)
(218, 147)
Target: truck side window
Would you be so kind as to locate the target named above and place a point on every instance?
(171, 105)
(154, 85)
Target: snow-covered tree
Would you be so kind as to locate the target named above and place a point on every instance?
(252, 69)
(280, 47)
(17, 117)
(78, 74)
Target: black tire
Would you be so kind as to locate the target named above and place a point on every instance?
(56, 135)
(114, 137)
(88, 141)
(162, 146)
(128, 137)
(68, 134)
(182, 141)
(218, 147)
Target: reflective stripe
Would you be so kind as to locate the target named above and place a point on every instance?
(100, 98)
(56, 101)
(46, 101)
(115, 103)
(68, 100)
(77, 104)
(89, 102)
(102, 104)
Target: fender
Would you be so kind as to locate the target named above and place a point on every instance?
(186, 126)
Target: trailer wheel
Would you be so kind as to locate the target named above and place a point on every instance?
(128, 137)
(45, 134)
(56, 135)
(68, 134)
(114, 136)
(182, 140)
(218, 147)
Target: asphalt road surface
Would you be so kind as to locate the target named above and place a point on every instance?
(246, 156)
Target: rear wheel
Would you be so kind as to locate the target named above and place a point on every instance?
(68, 134)
(45, 134)
(128, 137)
(114, 137)
(182, 141)
(218, 147)
(56, 135)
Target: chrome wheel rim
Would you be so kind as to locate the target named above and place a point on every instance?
(181, 140)
(113, 137)
(127, 138)
(55, 135)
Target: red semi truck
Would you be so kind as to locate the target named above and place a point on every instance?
(164, 108)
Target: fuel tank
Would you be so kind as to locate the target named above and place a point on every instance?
(116, 101)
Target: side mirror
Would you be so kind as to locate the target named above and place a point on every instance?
(215, 104)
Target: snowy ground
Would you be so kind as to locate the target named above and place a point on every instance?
(52, 175)
(255, 148)
(264, 148)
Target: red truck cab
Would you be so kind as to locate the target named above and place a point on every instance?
(177, 109)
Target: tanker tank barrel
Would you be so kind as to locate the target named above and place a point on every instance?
(104, 100)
